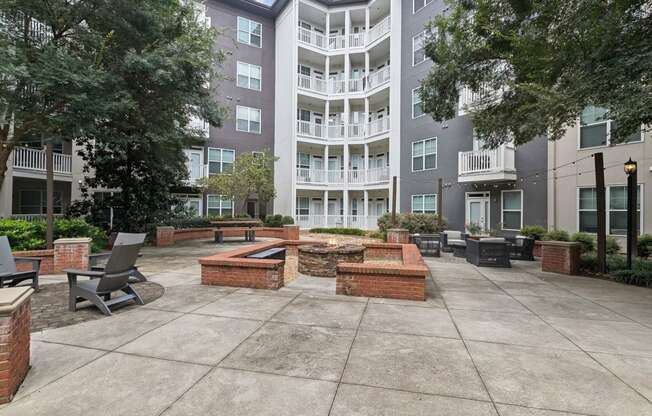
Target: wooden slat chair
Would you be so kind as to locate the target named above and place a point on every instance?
(9, 274)
(114, 277)
(121, 239)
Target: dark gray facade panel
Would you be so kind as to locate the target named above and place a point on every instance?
(454, 136)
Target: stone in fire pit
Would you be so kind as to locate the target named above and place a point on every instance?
(322, 260)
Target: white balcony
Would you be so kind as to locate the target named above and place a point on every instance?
(335, 221)
(309, 221)
(377, 126)
(470, 99)
(356, 130)
(377, 175)
(379, 30)
(311, 129)
(336, 86)
(372, 176)
(370, 222)
(356, 177)
(313, 84)
(378, 78)
(487, 165)
(197, 123)
(356, 85)
(312, 38)
(34, 160)
(336, 42)
(356, 40)
(311, 176)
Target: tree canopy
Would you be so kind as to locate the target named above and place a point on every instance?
(534, 65)
(125, 79)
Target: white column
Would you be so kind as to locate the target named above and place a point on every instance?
(367, 22)
(325, 208)
(326, 163)
(327, 70)
(347, 71)
(328, 29)
(367, 115)
(366, 161)
(347, 27)
(345, 196)
(365, 209)
(327, 109)
(366, 69)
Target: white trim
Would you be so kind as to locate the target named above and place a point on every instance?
(423, 46)
(436, 153)
(248, 75)
(607, 196)
(222, 206)
(423, 204)
(237, 30)
(413, 104)
(607, 122)
(502, 209)
(221, 161)
(248, 119)
(425, 3)
(485, 196)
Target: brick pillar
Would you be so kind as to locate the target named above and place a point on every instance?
(560, 257)
(15, 321)
(71, 253)
(164, 236)
(398, 235)
(291, 232)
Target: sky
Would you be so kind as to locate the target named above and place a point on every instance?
(267, 2)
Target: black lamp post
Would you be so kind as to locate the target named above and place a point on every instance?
(632, 193)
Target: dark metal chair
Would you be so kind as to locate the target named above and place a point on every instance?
(114, 277)
(488, 252)
(428, 244)
(121, 239)
(450, 238)
(9, 274)
(522, 248)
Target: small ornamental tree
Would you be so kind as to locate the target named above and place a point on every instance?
(252, 176)
(536, 64)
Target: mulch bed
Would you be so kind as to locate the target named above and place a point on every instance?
(50, 305)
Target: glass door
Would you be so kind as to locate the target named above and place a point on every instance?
(477, 210)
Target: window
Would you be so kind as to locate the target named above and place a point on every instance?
(424, 155)
(194, 163)
(418, 48)
(419, 4)
(595, 129)
(219, 205)
(249, 32)
(512, 216)
(220, 161)
(616, 210)
(192, 203)
(424, 204)
(417, 108)
(35, 202)
(249, 76)
(303, 205)
(247, 119)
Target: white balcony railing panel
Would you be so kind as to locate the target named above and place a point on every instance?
(355, 221)
(356, 131)
(309, 221)
(311, 129)
(316, 176)
(356, 40)
(379, 30)
(34, 159)
(335, 221)
(378, 175)
(500, 159)
(469, 99)
(336, 42)
(378, 78)
(336, 86)
(356, 176)
(311, 83)
(335, 176)
(311, 37)
(356, 85)
(378, 126)
(336, 131)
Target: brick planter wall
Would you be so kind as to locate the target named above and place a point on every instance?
(164, 236)
(398, 235)
(71, 253)
(560, 257)
(185, 234)
(383, 251)
(537, 248)
(406, 281)
(167, 236)
(47, 260)
(291, 232)
(15, 320)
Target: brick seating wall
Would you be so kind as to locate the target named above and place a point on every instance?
(167, 236)
(14, 350)
(47, 260)
(561, 258)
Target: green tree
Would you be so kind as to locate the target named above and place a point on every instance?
(252, 175)
(546, 59)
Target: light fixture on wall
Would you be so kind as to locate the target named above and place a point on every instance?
(632, 194)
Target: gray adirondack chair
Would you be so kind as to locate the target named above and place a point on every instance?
(9, 275)
(121, 239)
(114, 277)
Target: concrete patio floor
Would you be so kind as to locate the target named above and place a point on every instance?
(508, 342)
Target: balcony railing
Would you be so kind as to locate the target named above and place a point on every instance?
(378, 175)
(336, 86)
(356, 85)
(34, 159)
(335, 131)
(356, 131)
(377, 126)
(312, 83)
(311, 37)
(336, 42)
(356, 40)
(311, 129)
(309, 221)
(356, 176)
(335, 221)
(469, 99)
(378, 78)
(379, 30)
(487, 164)
(33, 217)
(336, 177)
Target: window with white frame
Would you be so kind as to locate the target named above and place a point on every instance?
(35, 202)
(512, 210)
(249, 76)
(417, 107)
(249, 32)
(247, 119)
(418, 48)
(596, 129)
(424, 154)
(220, 161)
(192, 203)
(194, 163)
(419, 4)
(219, 205)
(616, 210)
(303, 205)
(424, 204)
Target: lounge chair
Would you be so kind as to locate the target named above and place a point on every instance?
(114, 277)
(121, 239)
(451, 238)
(428, 244)
(488, 252)
(522, 248)
(9, 274)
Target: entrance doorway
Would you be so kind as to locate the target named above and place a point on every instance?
(251, 209)
(477, 209)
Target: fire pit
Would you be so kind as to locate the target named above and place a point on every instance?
(322, 260)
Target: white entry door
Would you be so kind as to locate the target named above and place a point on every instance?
(477, 210)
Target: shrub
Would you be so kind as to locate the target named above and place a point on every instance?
(287, 220)
(612, 246)
(27, 235)
(273, 221)
(556, 235)
(534, 231)
(589, 262)
(473, 228)
(342, 231)
(644, 245)
(414, 223)
(377, 234)
(586, 240)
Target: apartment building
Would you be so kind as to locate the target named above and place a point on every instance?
(571, 185)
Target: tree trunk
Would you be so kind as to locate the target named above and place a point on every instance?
(5, 152)
(49, 195)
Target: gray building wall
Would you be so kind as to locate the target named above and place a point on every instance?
(454, 136)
